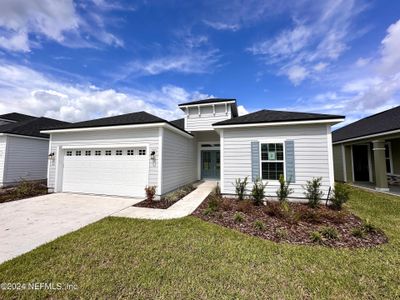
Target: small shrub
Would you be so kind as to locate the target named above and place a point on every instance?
(316, 237)
(258, 224)
(27, 189)
(258, 192)
(240, 187)
(281, 233)
(358, 232)
(333, 216)
(274, 209)
(226, 204)
(245, 206)
(150, 192)
(284, 190)
(238, 217)
(341, 195)
(329, 233)
(313, 191)
(213, 202)
(308, 215)
(368, 227)
(208, 211)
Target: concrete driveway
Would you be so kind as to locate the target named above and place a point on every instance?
(29, 223)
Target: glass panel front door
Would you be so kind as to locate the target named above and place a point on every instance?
(210, 164)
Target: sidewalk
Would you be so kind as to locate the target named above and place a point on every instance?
(180, 209)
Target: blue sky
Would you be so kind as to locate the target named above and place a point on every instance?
(76, 60)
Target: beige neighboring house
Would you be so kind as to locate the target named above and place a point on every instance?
(368, 151)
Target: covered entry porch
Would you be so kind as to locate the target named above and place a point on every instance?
(371, 162)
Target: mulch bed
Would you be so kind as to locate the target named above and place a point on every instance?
(13, 193)
(294, 225)
(168, 200)
(154, 204)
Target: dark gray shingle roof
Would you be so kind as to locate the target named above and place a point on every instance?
(269, 116)
(381, 122)
(31, 127)
(17, 117)
(135, 118)
(180, 123)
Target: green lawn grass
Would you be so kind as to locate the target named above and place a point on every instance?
(191, 259)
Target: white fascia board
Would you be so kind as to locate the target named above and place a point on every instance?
(368, 136)
(206, 104)
(23, 136)
(327, 121)
(117, 127)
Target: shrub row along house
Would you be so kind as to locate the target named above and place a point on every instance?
(368, 151)
(121, 155)
(23, 148)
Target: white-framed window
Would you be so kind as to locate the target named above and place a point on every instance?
(78, 153)
(272, 160)
(97, 152)
(88, 153)
(69, 153)
(108, 152)
(388, 158)
(142, 151)
(118, 152)
(130, 152)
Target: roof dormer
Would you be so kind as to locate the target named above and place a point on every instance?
(201, 114)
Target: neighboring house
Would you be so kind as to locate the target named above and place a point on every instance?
(23, 149)
(121, 155)
(369, 150)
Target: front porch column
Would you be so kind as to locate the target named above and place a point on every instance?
(381, 183)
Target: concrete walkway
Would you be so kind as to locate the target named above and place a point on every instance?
(182, 208)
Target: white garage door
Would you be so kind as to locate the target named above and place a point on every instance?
(117, 171)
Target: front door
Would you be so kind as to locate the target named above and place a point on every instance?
(210, 164)
(360, 162)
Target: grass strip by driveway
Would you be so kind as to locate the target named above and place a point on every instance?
(189, 258)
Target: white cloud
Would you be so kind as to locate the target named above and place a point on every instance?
(390, 60)
(23, 22)
(296, 74)
(310, 44)
(319, 67)
(25, 90)
(222, 26)
(363, 95)
(196, 62)
(242, 110)
(193, 55)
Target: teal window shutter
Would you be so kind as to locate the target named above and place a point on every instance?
(255, 160)
(289, 161)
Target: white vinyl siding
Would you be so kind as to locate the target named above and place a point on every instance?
(311, 154)
(204, 120)
(178, 162)
(3, 140)
(148, 136)
(26, 158)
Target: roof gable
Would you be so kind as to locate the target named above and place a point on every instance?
(385, 121)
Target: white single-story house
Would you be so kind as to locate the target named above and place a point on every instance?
(121, 155)
(23, 149)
